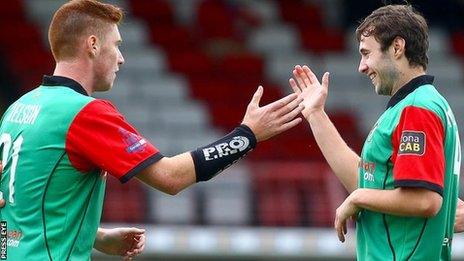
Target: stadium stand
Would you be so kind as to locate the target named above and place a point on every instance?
(191, 68)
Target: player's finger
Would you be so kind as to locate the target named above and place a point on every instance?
(1, 168)
(286, 126)
(298, 77)
(325, 80)
(337, 227)
(257, 96)
(294, 86)
(289, 107)
(341, 235)
(141, 244)
(310, 74)
(307, 81)
(282, 102)
(291, 115)
(136, 242)
(137, 246)
(345, 230)
(134, 230)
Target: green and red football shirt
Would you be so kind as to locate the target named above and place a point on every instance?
(414, 143)
(57, 145)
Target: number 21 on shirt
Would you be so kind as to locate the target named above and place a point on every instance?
(7, 143)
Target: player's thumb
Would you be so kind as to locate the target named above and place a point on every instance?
(325, 80)
(135, 230)
(257, 96)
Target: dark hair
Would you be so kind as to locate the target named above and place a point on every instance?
(391, 21)
(79, 18)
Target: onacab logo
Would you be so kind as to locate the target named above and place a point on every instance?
(412, 143)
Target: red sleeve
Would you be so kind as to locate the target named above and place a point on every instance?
(100, 138)
(418, 154)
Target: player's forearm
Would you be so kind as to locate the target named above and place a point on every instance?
(98, 239)
(416, 202)
(343, 161)
(171, 174)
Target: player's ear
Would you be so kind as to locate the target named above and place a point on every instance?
(399, 47)
(92, 45)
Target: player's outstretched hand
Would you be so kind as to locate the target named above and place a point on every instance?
(308, 87)
(126, 242)
(274, 118)
(2, 201)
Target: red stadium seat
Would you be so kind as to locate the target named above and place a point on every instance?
(322, 40)
(124, 202)
(215, 19)
(173, 38)
(457, 43)
(279, 208)
(11, 10)
(242, 64)
(286, 192)
(302, 14)
(153, 11)
(346, 124)
(227, 116)
(191, 62)
(25, 35)
(31, 62)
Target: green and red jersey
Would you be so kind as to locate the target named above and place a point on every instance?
(414, 144)
(57, 145)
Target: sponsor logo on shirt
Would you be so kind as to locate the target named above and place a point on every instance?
(368, 168)
(412, 143)
(133, 142)
(238, 143)
(10, 238)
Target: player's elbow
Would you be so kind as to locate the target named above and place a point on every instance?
(431, 205)
(170, 185)
(163, 178)
(172, 189)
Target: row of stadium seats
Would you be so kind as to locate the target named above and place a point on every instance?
(21, 46)
(281, 196)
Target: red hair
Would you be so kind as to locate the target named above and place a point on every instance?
(77, 19)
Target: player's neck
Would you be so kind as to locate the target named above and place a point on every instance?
(406, 76)
(75, 71)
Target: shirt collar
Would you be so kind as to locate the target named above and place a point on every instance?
(64, 81)
(408, 88)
